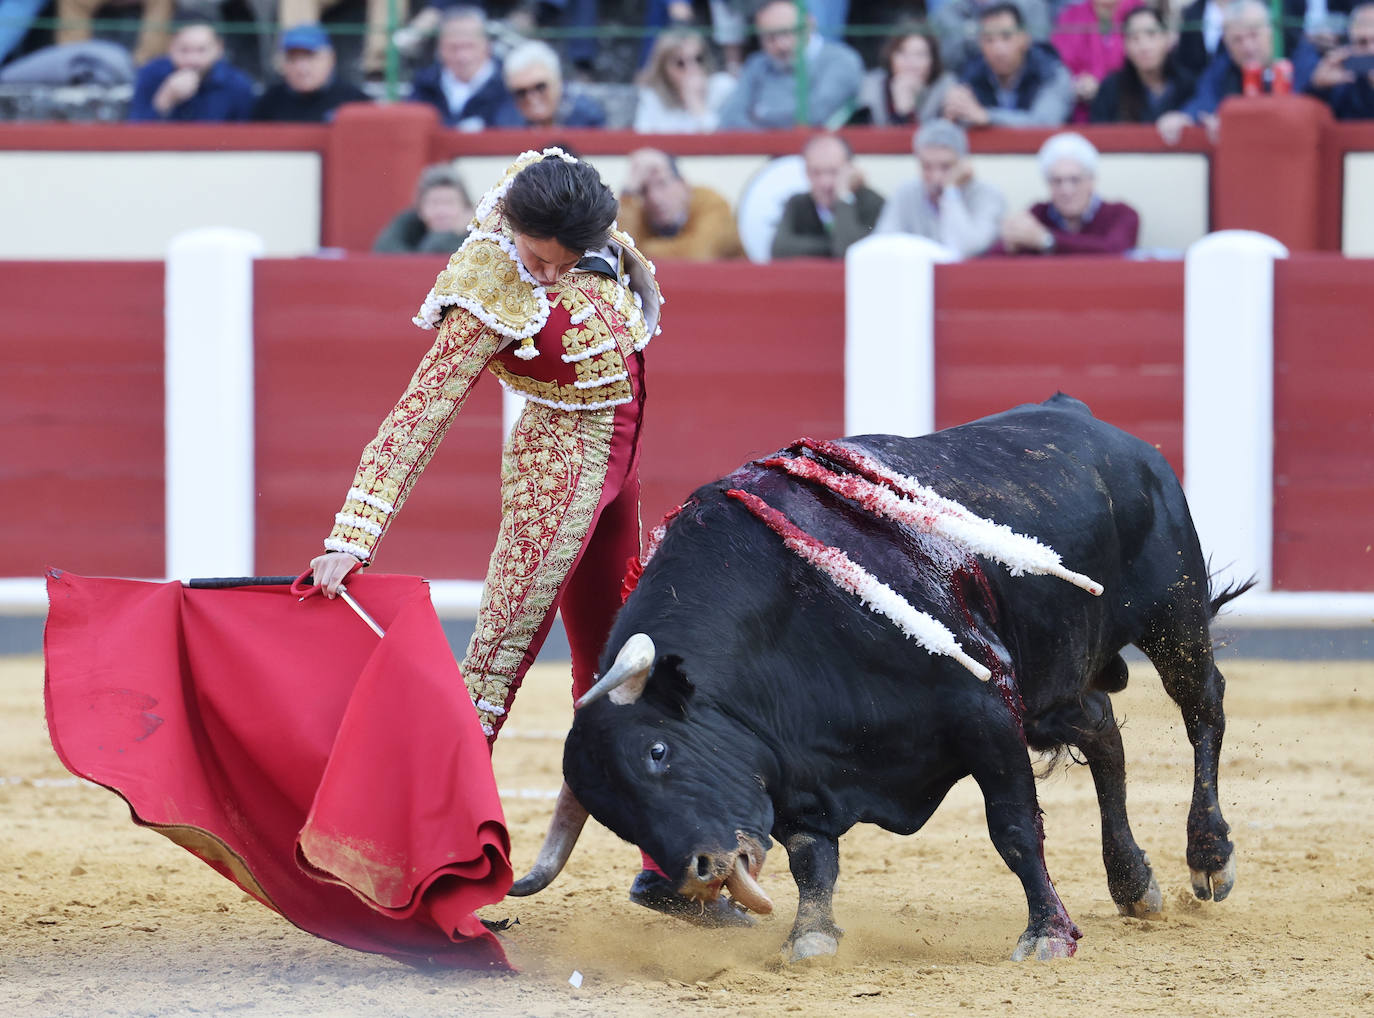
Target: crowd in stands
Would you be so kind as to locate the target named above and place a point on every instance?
(974, 62)
(942, 67)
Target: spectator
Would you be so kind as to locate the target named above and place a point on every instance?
(310, 12)
(835, 212)
(438, 221)
(766, 95)
(1199, 39)
(535, 82)
(1247, 40)
(1087, 36)
(678, 93)
(910, 85)
(1350, 93)
(16, 16)
(192, 82)
(154, 28)
(1014, 83)
(670, 218)
(464, 84)
(1075, 220)
(945, 203)
(956, 24)
(1151, 82)
(309, 90)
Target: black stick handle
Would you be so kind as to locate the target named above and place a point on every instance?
(217, 582)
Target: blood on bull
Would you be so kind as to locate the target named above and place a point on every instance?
(840, 632)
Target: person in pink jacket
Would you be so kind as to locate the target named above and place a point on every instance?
(1088, 38)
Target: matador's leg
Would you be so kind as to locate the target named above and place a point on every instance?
(553, 485)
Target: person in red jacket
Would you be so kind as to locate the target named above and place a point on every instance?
(1075, 220)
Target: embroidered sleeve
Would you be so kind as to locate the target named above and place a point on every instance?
(411, 433)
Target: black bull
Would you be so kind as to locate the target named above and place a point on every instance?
(770, 701)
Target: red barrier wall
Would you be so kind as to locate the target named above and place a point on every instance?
(81, 408)
(335, 350)
(747, 362)
(1324, 424)
(751, 357)
(1016, 331)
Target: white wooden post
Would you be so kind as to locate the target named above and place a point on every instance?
(889, 324)
(209, 402)
(1228, 399)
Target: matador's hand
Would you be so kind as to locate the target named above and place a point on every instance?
(330, 570)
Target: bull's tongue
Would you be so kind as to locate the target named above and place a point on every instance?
(745, 889)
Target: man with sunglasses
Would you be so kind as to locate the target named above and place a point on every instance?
(534, 79)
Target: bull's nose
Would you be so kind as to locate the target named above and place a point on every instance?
(704, 867)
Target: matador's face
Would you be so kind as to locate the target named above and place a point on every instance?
(544, 257)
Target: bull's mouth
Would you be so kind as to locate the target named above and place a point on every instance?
(735, 871)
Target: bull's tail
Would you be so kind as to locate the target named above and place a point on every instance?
(1225, 594)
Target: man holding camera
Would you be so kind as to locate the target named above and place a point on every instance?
(1344, 78)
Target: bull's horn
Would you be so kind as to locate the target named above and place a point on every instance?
(626, 678)
(566, 825)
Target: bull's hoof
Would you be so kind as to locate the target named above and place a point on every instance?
(1043, 947)
(1149, 905)
(1215, 885)
(811, 945)
(658, 893)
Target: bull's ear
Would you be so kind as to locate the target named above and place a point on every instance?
(668, 687)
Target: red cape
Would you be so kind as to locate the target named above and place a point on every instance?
(341, 779)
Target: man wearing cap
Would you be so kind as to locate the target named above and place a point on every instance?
(1075, 220)
(310, 90)
(193, 82)
(945, 203)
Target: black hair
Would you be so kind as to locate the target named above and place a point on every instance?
(1133, 102)
(1003, 8)
(554, 198)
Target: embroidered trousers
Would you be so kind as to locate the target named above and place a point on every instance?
(569, 523)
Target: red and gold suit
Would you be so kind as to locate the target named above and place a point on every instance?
(569, 470)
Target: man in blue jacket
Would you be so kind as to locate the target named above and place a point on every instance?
(465, 85)
(1014, 82)
(193, 82)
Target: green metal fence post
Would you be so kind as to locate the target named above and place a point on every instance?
(393, 57)
(800, 69)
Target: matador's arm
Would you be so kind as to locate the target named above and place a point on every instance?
(411, 433)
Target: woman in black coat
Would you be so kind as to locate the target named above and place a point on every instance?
(1151, 81)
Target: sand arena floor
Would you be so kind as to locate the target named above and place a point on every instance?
(103, 918)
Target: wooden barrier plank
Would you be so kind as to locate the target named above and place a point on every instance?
(81, 410)
(1324, 424)
(1011, 331)
(335, 349)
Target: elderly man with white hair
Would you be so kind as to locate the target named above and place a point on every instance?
(1075, 220)
(534, 79)
(1247, 37)
(945, 203)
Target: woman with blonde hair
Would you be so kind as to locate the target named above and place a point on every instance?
(678, 92)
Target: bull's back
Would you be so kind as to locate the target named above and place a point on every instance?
(1106, 501)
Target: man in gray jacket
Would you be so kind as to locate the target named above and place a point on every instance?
(945, 203)
(766, 95)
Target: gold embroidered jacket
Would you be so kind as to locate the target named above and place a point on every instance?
(567, 345)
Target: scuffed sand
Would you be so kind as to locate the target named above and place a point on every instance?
(103, 918)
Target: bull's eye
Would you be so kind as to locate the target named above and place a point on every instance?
(657, 752)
